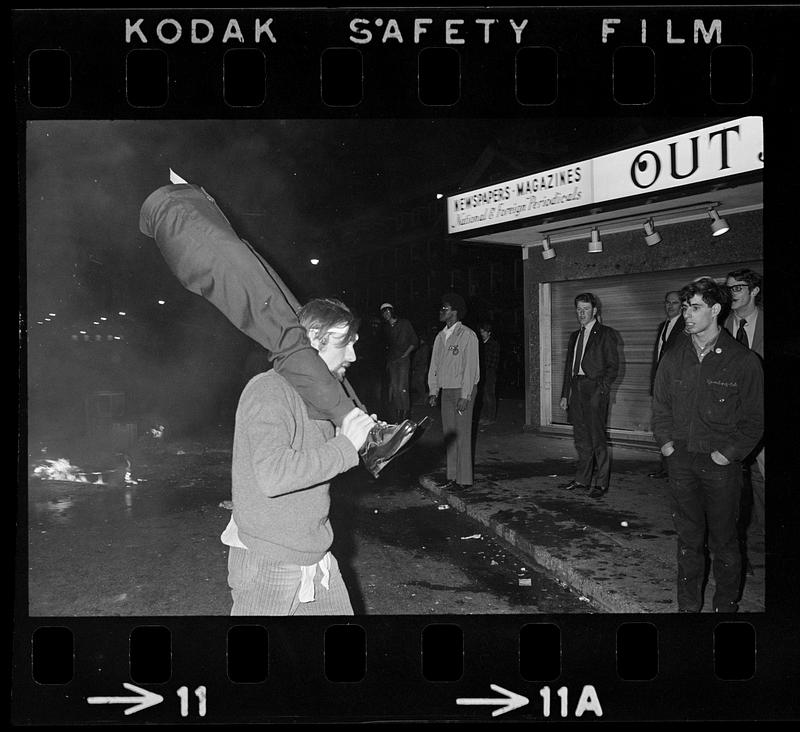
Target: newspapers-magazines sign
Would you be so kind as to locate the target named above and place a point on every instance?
(533, 195)
(706, 154)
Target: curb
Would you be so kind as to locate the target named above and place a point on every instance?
(599, 594)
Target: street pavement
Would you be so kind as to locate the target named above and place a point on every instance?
(618, 550)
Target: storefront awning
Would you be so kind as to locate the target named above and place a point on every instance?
(677, 179)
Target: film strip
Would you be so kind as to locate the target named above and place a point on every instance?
(150, 71)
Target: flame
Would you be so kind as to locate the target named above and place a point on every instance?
(60, 469)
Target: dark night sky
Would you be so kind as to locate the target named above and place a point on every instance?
(282, 183)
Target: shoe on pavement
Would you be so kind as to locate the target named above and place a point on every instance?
(598, 492)
(572, 485)
(658, 474)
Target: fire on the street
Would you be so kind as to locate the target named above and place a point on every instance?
(62, 469)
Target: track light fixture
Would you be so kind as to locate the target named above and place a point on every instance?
(718, 225)
(547, 251)
(595, 243)
(651, 236)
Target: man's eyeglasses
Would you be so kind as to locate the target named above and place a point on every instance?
(445, 307)
(738, 288)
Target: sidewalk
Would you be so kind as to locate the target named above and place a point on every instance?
(618, 551)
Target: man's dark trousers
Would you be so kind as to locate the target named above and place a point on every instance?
(588, 410)
(399, 371)
(209, 259)
(705, 494)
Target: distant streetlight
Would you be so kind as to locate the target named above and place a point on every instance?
(162, 302)
(103, 317)
(52, 315)
(439, 195)
(121, 312)
(314, 261)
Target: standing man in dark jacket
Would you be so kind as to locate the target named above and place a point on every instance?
(591, 367)
(489, 361)
(708, 414)
(401, 341)
(669, 331)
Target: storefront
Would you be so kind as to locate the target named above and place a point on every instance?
(628, 226)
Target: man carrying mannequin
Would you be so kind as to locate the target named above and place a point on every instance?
(280, 535)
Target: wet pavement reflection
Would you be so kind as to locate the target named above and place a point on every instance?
(153, 548)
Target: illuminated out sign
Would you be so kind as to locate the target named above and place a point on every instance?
(721, 150)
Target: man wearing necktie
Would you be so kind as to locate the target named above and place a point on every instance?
(669, 331)
(746, 324)
(591, 367)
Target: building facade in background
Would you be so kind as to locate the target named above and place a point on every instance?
(628, 226)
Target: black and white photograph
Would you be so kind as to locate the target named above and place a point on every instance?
(537, 386)
(404, 364)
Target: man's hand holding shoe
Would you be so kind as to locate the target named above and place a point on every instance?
(356, 427)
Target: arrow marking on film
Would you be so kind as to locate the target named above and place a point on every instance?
(142, 701)
(511, 701)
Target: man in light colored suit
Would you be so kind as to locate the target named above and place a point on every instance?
(746, 324)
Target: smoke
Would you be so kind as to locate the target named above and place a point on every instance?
(284, 184)
(86, 261)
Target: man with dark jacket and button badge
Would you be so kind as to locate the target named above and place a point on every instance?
(591, 367)
(708, 414)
